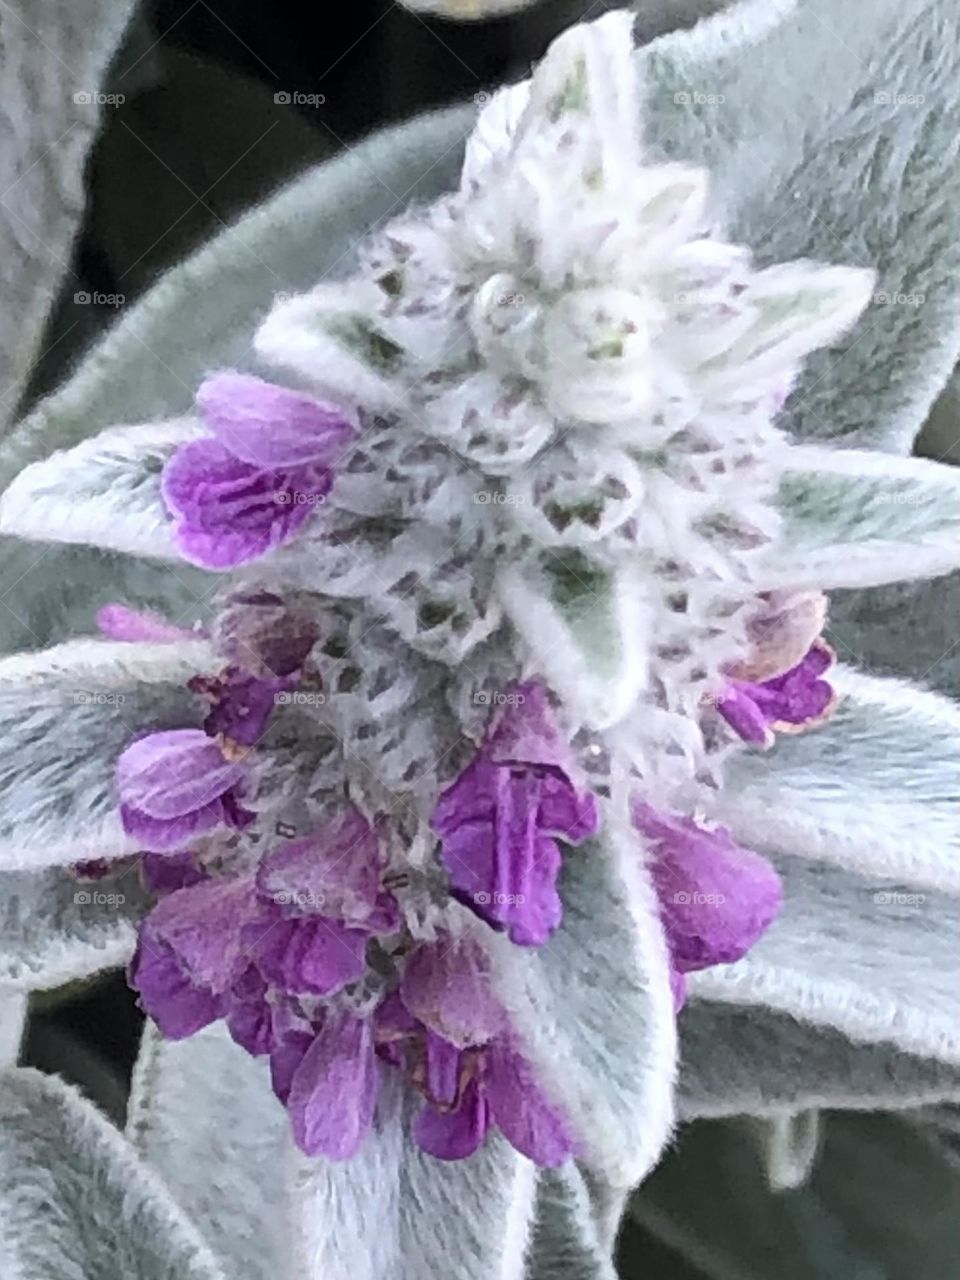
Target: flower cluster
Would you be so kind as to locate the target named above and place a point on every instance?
(323, 953)
(504, 565)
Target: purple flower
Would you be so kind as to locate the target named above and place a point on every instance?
(175, 786)
(269, 464)
(163, 873)
(249, 1015)
(500, 820)
(446, 1028)
(191, 952)
(788, 703)
(335, 872)
(241, 705)
(446, 986)
(716, 898)
(332, 1090)
(261, 634)
(119, 622)
(308, 956)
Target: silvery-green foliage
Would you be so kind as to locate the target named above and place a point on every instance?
(13, 1017)
(497, 1216)
(856, 988)
(77, 1202)
(52, 61)
(859, 168)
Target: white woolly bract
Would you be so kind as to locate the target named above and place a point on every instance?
(567, 386)
(567, 465)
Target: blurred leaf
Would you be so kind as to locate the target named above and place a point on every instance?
(77, 1202)
(882, 1203)
(52, 61)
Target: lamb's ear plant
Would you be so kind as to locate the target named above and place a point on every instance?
(462, 703)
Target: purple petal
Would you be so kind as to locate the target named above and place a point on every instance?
(270, 426)
(441, 1070)
(242, 705)
(795, 700)
(249, 1017)
(526, 732)
(786, 628)
(203, 926)
(497, 820)
(453, 1135)
(716, 898)
(307, 956)
(167, 872)
(230, 512)
(499, 865)
(121, 623)
(744, 716)
(334, 1091)
(799, 696)
(446, 985)
(285, 1060)
(170, 774)
(521, 1111)
(394, 1028)
(335, 871)
(259, 633)
(178, 1007)
(175, 786)
(565, 812)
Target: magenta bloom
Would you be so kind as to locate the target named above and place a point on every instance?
(265, 645)
(787, 703)
(330, 1081)
(163, 873)
(310, 956)
(500, 821)
(259, 633)
(480, 1082)
(336, 871)
(191, 952)
(716, 898)
(269, 464)
(240, 704)
(175, 786)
